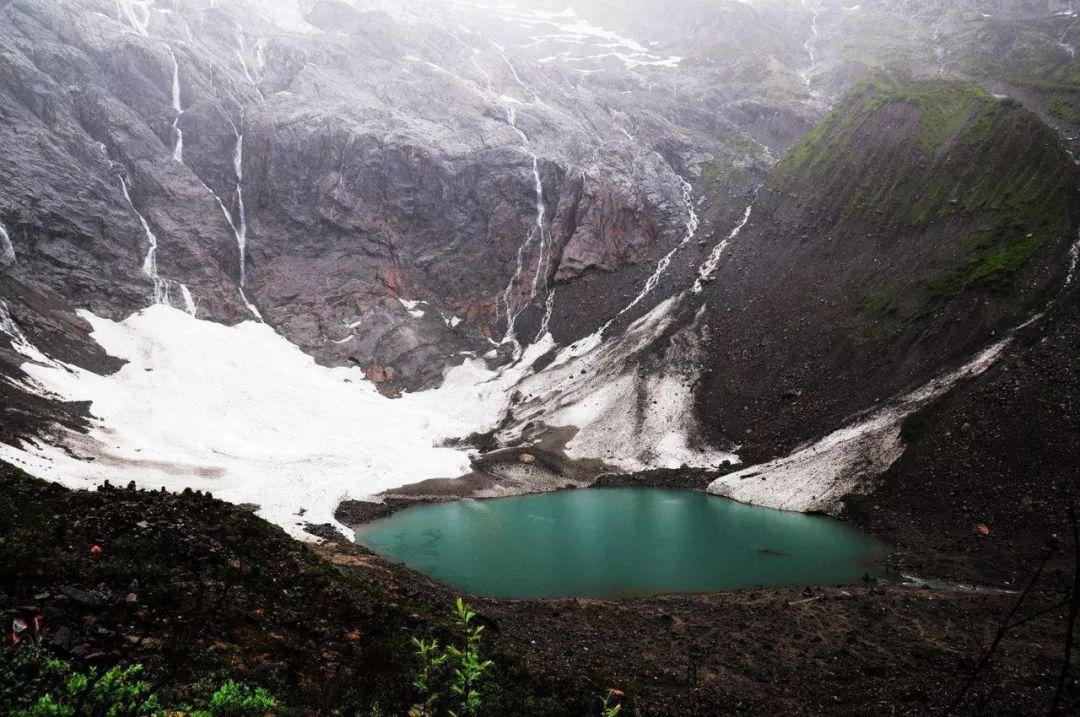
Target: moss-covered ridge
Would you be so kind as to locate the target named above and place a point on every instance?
(902, 155)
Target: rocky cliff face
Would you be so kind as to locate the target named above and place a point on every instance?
(329, 168)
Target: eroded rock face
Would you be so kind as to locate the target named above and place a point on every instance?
(331, 159)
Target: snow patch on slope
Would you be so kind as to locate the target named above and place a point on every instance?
(242, 413)
(630, 418)
(818, 476)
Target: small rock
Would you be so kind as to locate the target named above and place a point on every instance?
(527, 458)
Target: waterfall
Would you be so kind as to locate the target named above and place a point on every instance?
(149, 265)
(540, 212)
(137, 14)
(178, 147)
(549, 306)
(809, 46)
(665, 262)
(7, 249)
(189, 301)
(538, 231)
(241, 230)
(239, 224)
(241, 54)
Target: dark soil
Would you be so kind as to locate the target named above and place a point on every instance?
(190, 587)
(1001, 451)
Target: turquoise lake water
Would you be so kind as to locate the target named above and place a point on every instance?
(619, 542)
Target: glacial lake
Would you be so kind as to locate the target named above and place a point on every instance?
(616, 542)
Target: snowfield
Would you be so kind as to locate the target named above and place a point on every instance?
(242, 413)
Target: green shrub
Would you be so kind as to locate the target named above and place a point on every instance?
(450, 677)
(33, 684)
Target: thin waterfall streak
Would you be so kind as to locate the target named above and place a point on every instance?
(241, 230)
(549, 307)
(510, 335)
(149, 265)
(178, 146)
(7, 248)
(665, 262)
(189, 301)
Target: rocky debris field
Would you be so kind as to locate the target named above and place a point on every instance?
(192, 587)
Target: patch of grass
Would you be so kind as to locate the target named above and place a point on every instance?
(993, 261)
(877, 303)
(1066, 110)
(895, 157)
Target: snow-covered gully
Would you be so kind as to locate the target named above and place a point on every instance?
(817, 476)
(709, 266)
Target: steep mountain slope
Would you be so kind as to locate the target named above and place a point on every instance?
(917, 223)
(327, 165)
(1000, 451)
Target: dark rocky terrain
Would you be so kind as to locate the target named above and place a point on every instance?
(920, 220)
(191, 587)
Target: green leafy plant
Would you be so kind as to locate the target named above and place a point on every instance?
(235, 699)
(612, 704)
(451, 674)
(34, 684)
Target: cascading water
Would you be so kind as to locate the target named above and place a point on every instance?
(7, 249)
(178, 147)
(538, 231)
(189, 300)
(241, 54)
(149, 266)
(239, 224)
(549, 307)
(136, 13)
(692, 222)
(241, 230)
(540, 212)
(806, 74)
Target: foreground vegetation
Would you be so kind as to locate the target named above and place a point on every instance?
(448, 681)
